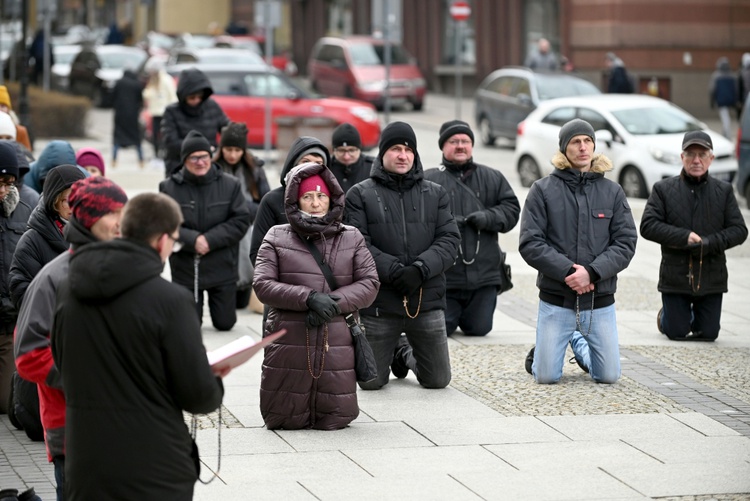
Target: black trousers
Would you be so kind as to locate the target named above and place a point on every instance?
(684, 314)
(222, 302)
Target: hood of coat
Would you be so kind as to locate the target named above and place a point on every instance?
(59, 180)
(101, 271)
(55, 153)
(306, 225)
(193, 81)
(77, 234)
(599, 164)
(299, 145)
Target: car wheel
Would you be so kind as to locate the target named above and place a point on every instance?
(632, 183)
(485, 132)
(417, 105)
(528, 171)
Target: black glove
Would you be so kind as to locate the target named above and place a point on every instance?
(324, 305)
(407, 280)
(314, 320)
(479, 220)
(460, 220)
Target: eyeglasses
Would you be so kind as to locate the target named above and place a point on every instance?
(703, 155)
(176, 244)
(199, 158)
(346, 151)
(457, 142)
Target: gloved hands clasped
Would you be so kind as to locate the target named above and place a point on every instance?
(478, 220)
(407, 280)
(323, 307)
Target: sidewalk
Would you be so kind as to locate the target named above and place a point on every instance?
(676, 426)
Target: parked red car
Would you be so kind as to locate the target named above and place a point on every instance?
(241, 93)
(281, 59)
(355, 67)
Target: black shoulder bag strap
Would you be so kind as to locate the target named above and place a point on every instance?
(464, 186)
(326, 273)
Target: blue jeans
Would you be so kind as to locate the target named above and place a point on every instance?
(684, 313)
(598, 351)
(138, 149)
(471, 310)
(59, 462)
(429, 360)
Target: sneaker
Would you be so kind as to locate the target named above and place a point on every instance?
(398, 365)
(530, 360)
(574, 360)
(658, 320)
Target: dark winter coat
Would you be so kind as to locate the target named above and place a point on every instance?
(349, 175)
(619, 81)
(207, 118)
(14, 215)
(723, 88)
(212, 205)
(252, 180)
(55, 153)
(483, 189)
(127, 101)
(706, 206)
(285, 275)
(570, 218)
(32, 348)
(129, 345)
(271, 209)
(405, 219)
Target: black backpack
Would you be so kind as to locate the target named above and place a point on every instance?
(23, 408)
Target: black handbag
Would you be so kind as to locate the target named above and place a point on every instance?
(507, 276)
(364, 359)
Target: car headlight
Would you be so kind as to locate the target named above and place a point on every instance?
(365, 114)
(376, 86)
(665, 157)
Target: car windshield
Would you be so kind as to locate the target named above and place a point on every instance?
(656, 120)
(551, 87)
(365, 54)
(120, 60)
(231, 56)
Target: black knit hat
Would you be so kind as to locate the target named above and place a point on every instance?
(453, 127)
(194, 141)
(8, 160)
(234, 134)
(397, 133)
(575, 127)
(346, 135)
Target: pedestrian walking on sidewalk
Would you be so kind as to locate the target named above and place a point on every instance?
(723, 91)
(412, 235)
(308, 378)
(215, 218)
(96, 205)
(127, 102)
(577, 231)
(484, 205)
(695, 218)
(129, 348)
(159, 92)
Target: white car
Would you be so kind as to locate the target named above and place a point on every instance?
(642, 135)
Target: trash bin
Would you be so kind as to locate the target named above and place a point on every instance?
(288, 129)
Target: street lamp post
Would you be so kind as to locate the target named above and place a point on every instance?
(23, 106)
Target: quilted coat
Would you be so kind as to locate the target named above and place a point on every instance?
(308, 378)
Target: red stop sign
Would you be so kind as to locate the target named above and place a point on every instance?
(460, 11)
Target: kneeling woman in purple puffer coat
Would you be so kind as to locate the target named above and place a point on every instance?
(308, 378)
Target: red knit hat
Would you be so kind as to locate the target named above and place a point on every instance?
(313, 183)
(94, 197)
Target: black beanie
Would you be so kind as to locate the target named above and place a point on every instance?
(8, 160)
(234, 134)
(397, 133)
(346, 135)
(194, 141)
(575, 127)
(453, 127)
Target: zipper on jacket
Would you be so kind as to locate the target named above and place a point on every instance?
(403, 223)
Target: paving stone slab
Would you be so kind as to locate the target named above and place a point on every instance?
(497, 430)
(621, 426)
(381, 435)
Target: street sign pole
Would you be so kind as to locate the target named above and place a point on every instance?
(460, 12)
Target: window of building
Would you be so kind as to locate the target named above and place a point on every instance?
(542, 20)
(467, 49)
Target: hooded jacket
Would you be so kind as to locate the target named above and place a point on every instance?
(31, 346)
(573, 217)
(271, 210)
(28, 195)
(707, 206)
(723, 88)
(207, 118)
(14, 214)
(285, 275)
(483, 189)
(349, 175)
(213, 206)
(129, 345)
(55, 153)
(405, 220)
(44, 240)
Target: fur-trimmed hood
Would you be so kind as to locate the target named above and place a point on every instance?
(599, 164)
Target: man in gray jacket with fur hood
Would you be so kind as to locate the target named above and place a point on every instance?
(578, 232)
